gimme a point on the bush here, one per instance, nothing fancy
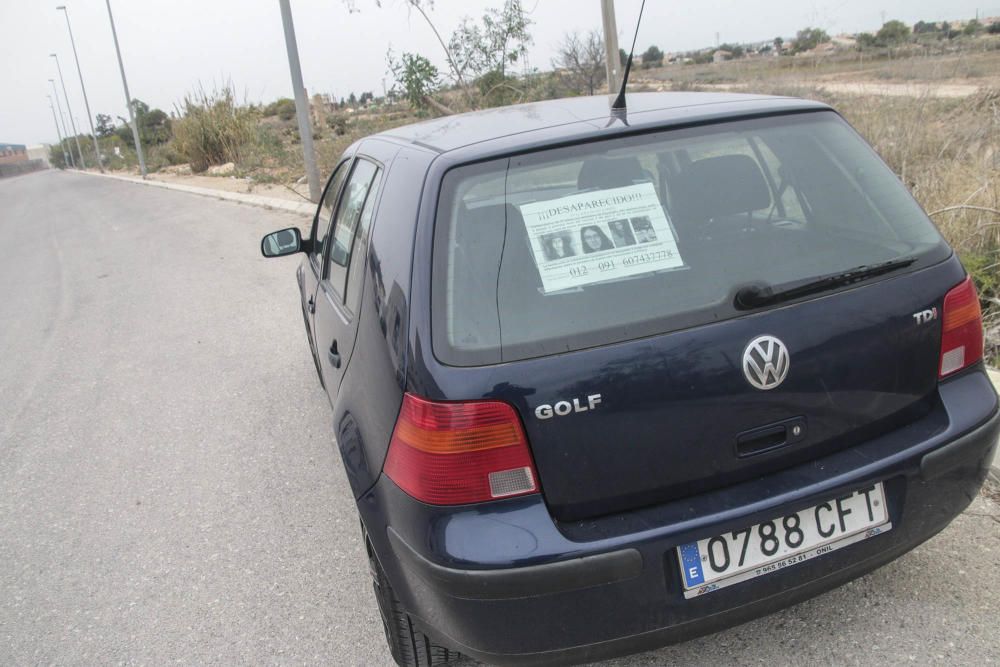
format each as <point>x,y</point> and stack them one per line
<point>283,108</point>
<point>213,129</point>
<point>337,123</point>
<point>809,38</point>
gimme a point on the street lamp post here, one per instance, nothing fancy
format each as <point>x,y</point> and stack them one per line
<point>613,62</point>
<point>61,145</point>
<point>72,163</point>
<point>69,111</point>
<point>128,99</point>
<point>90,117</point>
<point>301,104</point>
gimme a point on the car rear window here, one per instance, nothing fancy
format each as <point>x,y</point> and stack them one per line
<point>608,241</point>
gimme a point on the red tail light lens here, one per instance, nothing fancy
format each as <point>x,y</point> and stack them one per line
<point>459,453</point>
<point>961,329</point>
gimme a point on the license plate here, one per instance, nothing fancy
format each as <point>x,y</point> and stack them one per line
<point>713,563</point>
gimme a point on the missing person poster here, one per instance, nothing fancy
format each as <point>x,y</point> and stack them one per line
<point>600,235</point>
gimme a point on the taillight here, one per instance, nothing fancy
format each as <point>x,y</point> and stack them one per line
<point>961,329</point>
<point>459,452</point>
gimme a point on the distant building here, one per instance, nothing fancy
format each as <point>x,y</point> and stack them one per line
<point>10,153</point>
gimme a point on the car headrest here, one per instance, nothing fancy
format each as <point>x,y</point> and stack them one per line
<point>602,172</point>
<point>719,186</point>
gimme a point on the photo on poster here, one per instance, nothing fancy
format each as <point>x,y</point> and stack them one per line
<point>600,235</point>
<point>644,232</point>
<point>557,245</point>
<point>621,233</point>
<point>593,239</point>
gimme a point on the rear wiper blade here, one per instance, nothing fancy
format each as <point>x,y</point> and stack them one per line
<point>756,295</point>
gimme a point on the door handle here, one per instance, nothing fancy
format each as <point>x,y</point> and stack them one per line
<point>311,305</point>
<point>334,356</point>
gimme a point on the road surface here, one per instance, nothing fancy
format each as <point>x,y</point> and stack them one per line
<point>169,491</point>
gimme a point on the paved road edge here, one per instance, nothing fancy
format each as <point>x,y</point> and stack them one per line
<point>304,208</point>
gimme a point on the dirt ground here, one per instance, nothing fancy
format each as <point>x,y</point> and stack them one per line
<point>909,89</point>
<point>296,193</point>
<point>299,193</point>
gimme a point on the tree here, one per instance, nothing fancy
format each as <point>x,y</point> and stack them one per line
<point>924,27</point>
<point>652,57</point>
<point>582,59</point>
<point>105,126</point>
<point>809,38</point>
<point>735,50</point>
<point>892,33</point>
<point>866,40</point>
<point>476,50</point>
<point>993,28</point>
<point>972,27</point>
<point>415,78</point>
<point>622,57</point>
<point>484,51</point>
<point>154,125</point>
<point>779,44</point>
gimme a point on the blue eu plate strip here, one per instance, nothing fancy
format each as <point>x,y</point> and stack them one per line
<point>691,562</point>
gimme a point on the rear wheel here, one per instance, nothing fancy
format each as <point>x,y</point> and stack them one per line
<point>409,646</point>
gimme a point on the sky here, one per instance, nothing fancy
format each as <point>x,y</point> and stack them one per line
<point>173,47</point>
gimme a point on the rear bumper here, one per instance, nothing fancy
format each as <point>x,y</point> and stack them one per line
<point>506,584</point>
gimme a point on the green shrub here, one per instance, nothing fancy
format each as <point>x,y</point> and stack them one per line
<point>283,108</point>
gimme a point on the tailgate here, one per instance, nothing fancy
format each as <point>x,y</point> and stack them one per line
<point>678,416</point>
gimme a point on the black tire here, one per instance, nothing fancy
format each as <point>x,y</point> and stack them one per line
<point>409,646</point>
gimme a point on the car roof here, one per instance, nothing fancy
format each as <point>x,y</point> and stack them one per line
<point>566,118</point>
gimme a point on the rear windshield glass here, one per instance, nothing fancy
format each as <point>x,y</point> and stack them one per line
<point>608,241</point>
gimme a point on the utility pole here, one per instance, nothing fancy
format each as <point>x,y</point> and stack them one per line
<point>90,117</point>
<point>128,99</point>
<point>614,63</point>
<point>301,104</point>
<point>72,163</point>
<point>69,112</point>
<point>61,144</point>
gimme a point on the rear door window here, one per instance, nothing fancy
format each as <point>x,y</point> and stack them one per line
<point>586,245</point>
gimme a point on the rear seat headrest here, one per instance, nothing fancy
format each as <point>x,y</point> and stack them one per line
<point>719,186</point>
<point>602,172</point>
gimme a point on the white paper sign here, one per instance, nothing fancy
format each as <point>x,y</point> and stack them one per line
<point>600,235</point>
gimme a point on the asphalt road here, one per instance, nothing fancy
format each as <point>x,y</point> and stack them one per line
<point>169,491</point>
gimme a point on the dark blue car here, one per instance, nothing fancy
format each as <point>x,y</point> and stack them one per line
<point>605,381</point>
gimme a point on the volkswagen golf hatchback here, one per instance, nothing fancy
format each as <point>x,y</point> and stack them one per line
<point>604,381</point>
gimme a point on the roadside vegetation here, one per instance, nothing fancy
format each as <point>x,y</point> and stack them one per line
<point>926,96</point>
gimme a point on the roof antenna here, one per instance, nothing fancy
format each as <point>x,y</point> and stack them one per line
<point>619,103</point>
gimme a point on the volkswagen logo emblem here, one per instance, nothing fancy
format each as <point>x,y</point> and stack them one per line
<point>765,362</point>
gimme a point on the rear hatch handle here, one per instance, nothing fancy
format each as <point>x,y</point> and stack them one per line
<point>771,437</point>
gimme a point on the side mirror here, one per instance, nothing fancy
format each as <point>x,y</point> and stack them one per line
<point>281,243</point>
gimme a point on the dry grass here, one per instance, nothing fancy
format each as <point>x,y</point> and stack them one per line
<point>214,129</point>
